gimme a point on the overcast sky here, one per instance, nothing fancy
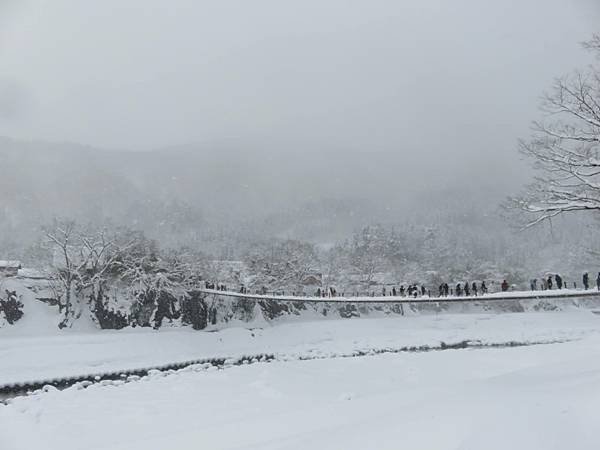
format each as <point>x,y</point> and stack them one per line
<point>433,83</point>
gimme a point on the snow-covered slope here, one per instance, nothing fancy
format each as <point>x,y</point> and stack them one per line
<point>214,310</point>
<point>38,318</point>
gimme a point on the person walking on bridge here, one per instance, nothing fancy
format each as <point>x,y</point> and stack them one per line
<point>467,290</point>
<point>586,281</point>
<point>559,281</point>
<point>549,282</point>
<point>474,289</point>
<point>483,288</point>
<point>504,286</point>
<point>458,290</point>
<point>598,281</point>
<point>533,284</point>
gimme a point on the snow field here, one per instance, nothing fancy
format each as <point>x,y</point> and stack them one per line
<point>537,397</point>
<point>70,353</point>
<point>532,397</point>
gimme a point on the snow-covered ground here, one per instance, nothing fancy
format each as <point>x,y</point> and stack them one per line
<point>534,397</point>
<point>26,357</point>
<point>538,397</point>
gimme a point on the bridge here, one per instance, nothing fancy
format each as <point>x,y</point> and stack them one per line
<point>558,294</point>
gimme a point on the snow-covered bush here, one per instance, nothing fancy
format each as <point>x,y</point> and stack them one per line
<point>11,308</point>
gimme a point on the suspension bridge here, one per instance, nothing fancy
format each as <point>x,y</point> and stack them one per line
<point>558,294</point>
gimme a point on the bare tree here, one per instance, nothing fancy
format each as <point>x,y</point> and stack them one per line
<point>82,260</point>
<point>66,265</point>
<point>566,147</point>
<point>368,251</point>
<point>593,44</point>
<point>282,264</point>
<point>334,262</point>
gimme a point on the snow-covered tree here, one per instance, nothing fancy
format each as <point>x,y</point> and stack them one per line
<point>565,146</point>
<point>159,281</point>
<point>334,264</point>
<point>66,265</point>
<point>282,264</point>
<point>83,261</point>
<point>367,251</point>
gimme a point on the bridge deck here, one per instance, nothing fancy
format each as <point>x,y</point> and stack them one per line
<point>494,297</point>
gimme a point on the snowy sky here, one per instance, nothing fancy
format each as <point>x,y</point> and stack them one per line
<point>419,81</point>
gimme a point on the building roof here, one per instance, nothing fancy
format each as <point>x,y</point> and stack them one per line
<point>4,264</point>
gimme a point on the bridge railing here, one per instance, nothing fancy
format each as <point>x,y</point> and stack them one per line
<point>493,297</point>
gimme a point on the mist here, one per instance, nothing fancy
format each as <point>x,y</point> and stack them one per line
<point>261,113</point>
<point>314,224</point>
<point>414,83</point>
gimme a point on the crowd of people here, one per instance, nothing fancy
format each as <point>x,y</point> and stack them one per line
<point>465,289</point>
<point>556,280</point>
<point>215,286</point>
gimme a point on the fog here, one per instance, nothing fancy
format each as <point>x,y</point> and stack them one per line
<point>256,107</point>
<point>150,148</point>
<point>445,80</point>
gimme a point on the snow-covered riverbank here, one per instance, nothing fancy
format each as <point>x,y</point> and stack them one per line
<point>53,354</point>
<point>538,397</point>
